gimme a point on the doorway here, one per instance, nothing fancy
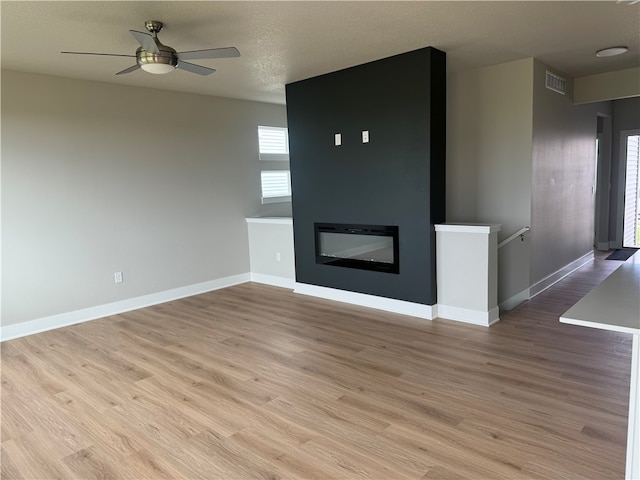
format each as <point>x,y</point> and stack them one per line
<point>602,182</point>
<point>631,160</point>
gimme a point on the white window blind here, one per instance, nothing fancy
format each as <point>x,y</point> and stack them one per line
<point>273,143</point>
<point>275,178</point>
<point>276,186</point>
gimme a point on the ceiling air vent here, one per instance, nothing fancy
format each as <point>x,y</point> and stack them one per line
<point>556,83</point>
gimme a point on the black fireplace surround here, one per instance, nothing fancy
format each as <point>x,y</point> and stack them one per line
<point>396,178</point>
<point>367,247</point>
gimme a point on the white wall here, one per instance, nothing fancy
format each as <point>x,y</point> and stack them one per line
<point>99,178</point>
<point>271,251</point>
<point>607,86</point>
<point>489,158</point>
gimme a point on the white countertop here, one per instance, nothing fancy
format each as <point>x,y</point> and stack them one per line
<point>612,305</point>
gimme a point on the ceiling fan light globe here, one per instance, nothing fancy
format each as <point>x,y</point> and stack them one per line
<point>157,68</point>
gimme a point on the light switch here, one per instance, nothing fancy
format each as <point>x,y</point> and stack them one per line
<point>365,136</point>
<point>338,139</point>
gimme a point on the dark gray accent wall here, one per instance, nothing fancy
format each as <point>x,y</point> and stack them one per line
<point>562,178</point>
<point>398,178</point>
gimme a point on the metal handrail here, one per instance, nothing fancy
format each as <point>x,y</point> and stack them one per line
<point>520,233</point>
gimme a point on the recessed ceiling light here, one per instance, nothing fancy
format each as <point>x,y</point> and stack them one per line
<point>612,51</point>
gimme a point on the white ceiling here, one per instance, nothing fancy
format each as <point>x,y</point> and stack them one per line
<point>281,42</point>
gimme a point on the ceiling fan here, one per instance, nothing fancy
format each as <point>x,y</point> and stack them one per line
<point>154,57</point>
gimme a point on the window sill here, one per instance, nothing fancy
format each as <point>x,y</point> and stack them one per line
<point>268,200</point>
<point>274,157</point>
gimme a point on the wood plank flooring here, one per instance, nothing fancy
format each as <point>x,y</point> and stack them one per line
<point>257,382</point>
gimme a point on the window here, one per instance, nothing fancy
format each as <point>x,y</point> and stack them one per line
<point>631,221</point>
<point>275,178</point>
<point>273,143</point>
<point>276,186</point>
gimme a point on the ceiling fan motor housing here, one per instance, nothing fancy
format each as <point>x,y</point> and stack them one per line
<point>165,56</point>
<point>162,61</point>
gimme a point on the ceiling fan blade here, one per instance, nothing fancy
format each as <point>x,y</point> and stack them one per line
<point>227,52</point>
<point>103,54</point>
<point>129,70</point>
<point>145,40</point>
<point>199,69</point>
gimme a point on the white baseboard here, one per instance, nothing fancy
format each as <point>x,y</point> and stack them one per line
<point>427,312</point>
<point>476,317</point>
<point>274,280</point>
<point>30,327</point>
<point>547,282</point>
<point>555,277</point>
<point>512,302</point>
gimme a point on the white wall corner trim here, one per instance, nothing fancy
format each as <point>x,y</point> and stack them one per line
<point>476,317</point>
<point>514,301</point>
<point>427,312</point>
<point>558,275</point>
<point>273,280</point>
<point>39,325</point>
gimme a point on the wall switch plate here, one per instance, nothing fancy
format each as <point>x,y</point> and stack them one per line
<point>117,277</point>
<point>365,136</point>
<point>337,139</point>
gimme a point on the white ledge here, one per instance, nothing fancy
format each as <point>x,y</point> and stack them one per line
<point>468,227</point>
<point>271,220</point>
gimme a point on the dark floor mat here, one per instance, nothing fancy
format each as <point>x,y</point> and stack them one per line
<point>622,254</point>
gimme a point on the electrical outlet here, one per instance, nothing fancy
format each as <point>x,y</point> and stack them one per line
<point>117,277</point>
<point>278,258</point>
<point>365,136</point>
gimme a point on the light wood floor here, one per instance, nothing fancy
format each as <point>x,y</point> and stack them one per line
<point>256,382</point>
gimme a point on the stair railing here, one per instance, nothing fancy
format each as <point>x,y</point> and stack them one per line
<point>520,233</point>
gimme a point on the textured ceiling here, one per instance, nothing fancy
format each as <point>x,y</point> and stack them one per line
<point>282,42</point>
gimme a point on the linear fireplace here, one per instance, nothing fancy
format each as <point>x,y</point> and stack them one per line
<point>367,247</point>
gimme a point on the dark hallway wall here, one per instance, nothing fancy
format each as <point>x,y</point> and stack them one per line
<point>398,178</point>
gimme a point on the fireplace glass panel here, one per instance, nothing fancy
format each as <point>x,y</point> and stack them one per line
<point>369,247</point>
